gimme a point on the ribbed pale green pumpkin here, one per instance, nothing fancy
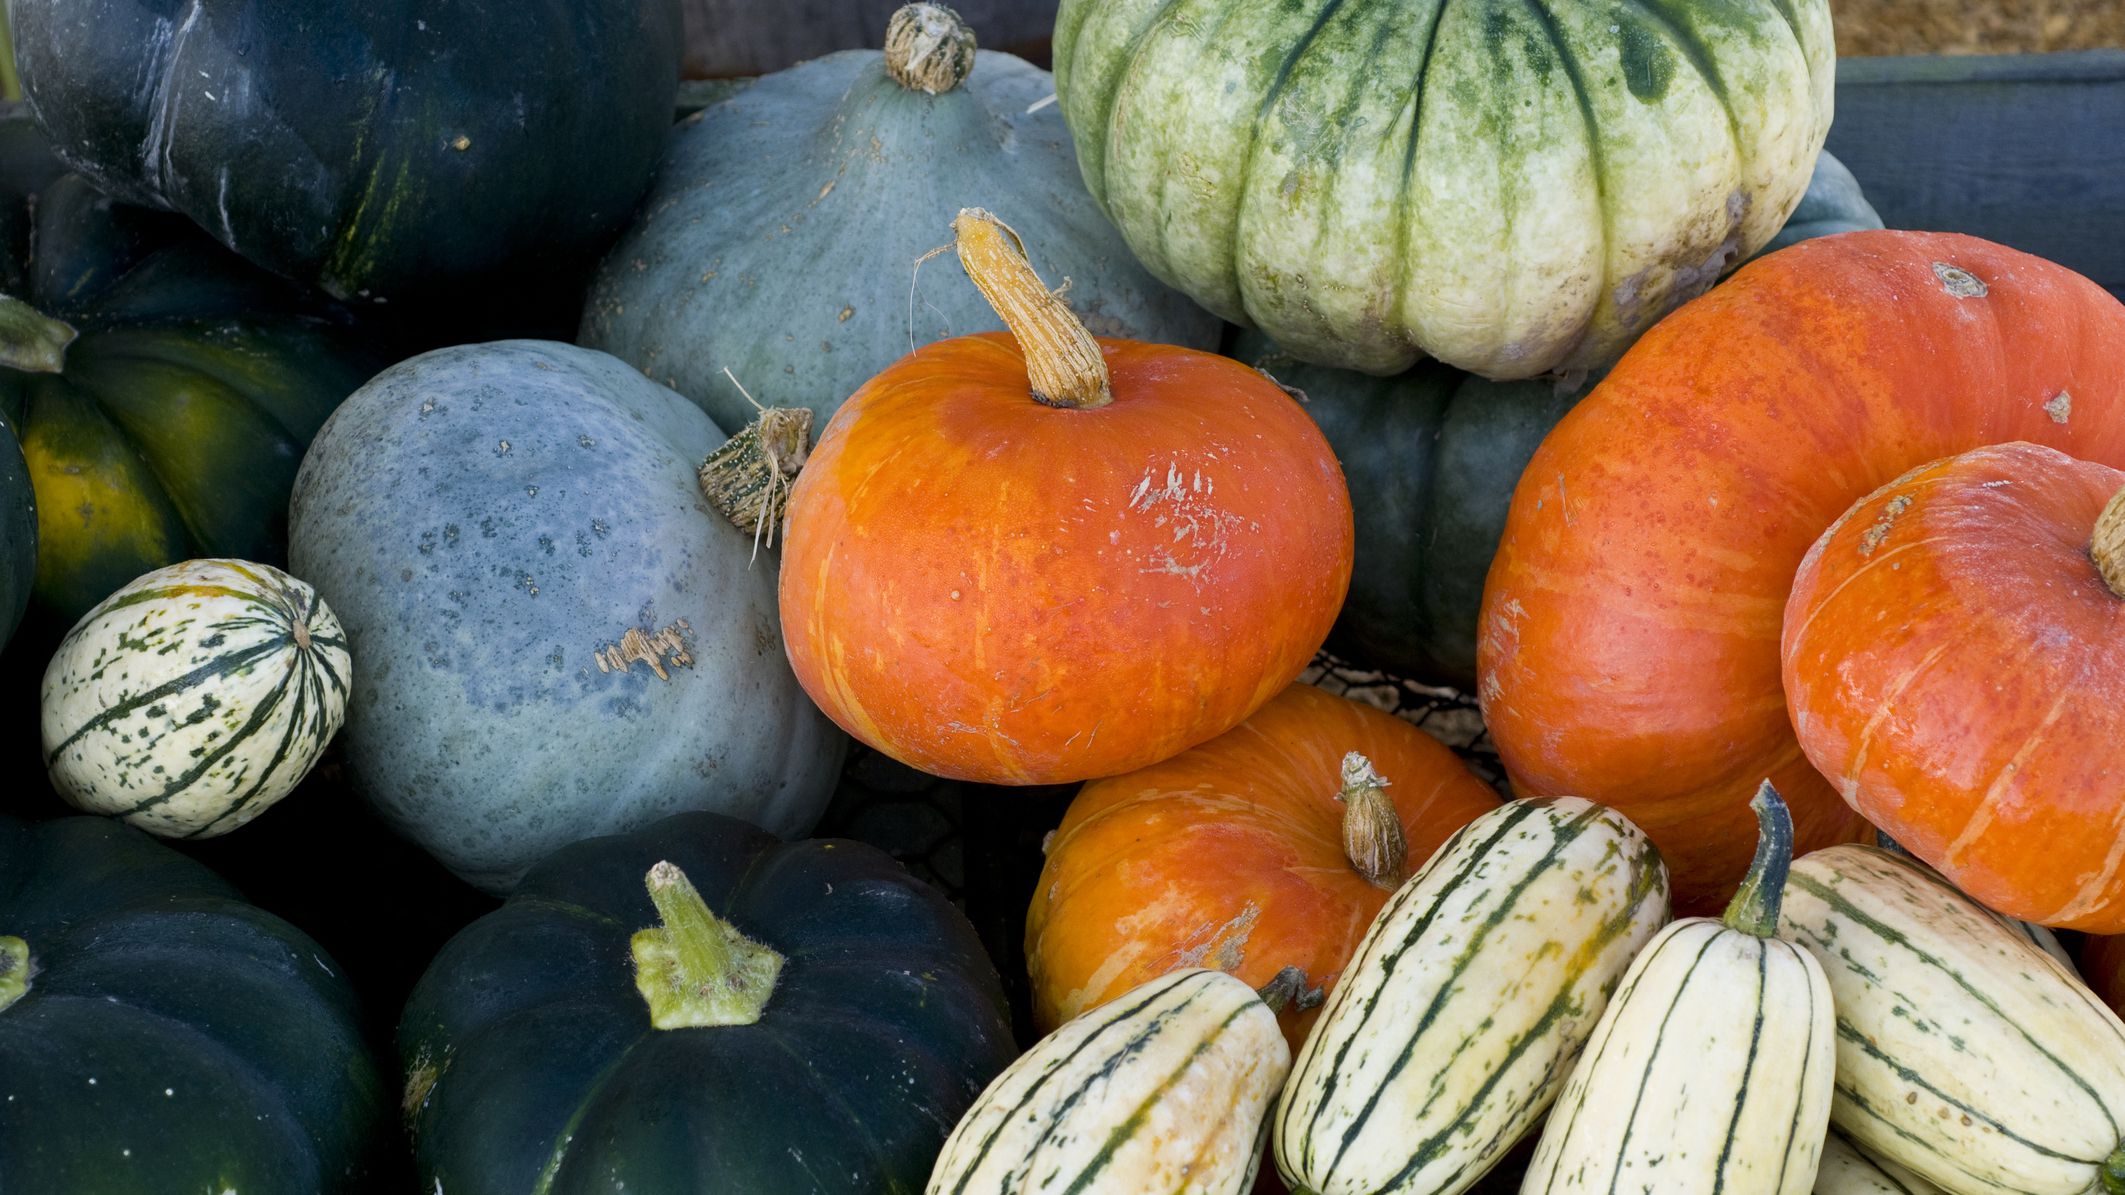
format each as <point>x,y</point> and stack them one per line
<point>1511,188</point>
<point>780,241</point>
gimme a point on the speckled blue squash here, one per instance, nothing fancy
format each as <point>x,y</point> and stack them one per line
<point>554,635</point>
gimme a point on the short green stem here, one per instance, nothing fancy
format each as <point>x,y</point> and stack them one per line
<point>2113,1175</point>
<point>1754,909</point>
<point>30,340</point>
<point>14,970</point>
<point>696,969</point>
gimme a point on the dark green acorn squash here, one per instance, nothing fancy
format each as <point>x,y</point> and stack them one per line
<point>162,389</point>
<point>378,149</point>
<point>157,1034</point>
<point>781,239</point>
<point>1432,456</point>
<point>830,1049</point>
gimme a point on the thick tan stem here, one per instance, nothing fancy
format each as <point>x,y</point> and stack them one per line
<point>928,48</point>
<point>1063,361</point>
<point>1372,831</point>
<point>2108,547</point>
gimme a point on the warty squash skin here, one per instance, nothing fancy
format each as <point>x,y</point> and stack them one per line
<point>1233,855</point>
<point>1465,1003</point>
<point>1711,1070</point>
<point>158,1034</point>
<point>553,635</point>
<point>1963,1052</point>
<point>1954,660</point>
<point>1629,645</point>
<point>1512,189</point>
<point>378,150</point>
<point>1040,566</point>
<point>1161,1089</point>
<point>585,1039</point>
<point>782,235</point>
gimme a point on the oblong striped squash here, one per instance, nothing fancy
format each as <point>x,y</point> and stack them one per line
<point>1847,1170</point>
<point>192,699</point>
<point>1466,1001</point>
<point>1711,1070</point>
<point>1163,1088</point>
<point>1963,1052</point>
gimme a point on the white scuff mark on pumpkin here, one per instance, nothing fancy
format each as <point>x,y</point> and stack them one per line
<point>1038,104</point>
<point>221,204</point>
<point>1874,535</point>
<point>155,150</point>
<point>2060,408</point>
<point>1201,531</point>
<point>1564,505</point>
<point>1222,946</point>
<point>658,649</point>
<point>1959,282</point>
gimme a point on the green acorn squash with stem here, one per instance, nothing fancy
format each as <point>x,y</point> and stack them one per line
<point>698,1006</point>
<point>157,1034</point>
<point>163,391</point>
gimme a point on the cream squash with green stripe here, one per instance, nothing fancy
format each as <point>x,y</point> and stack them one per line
<point>1711,1070</point>
<point>1846,1170</point>
<point>1963,1052</point>
<point>1162,1089</point>
<point>195,697</point>
<point>1465,1003</point>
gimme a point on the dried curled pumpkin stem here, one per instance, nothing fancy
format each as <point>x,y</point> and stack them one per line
<point>2108,547</point>
<point>928,48</point>
<point>1373,840</point>
<point>30,340</point>
<point>1063,360</point>
<point>696,969</point>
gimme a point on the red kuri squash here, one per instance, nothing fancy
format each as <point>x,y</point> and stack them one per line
<point>1043,559</point>
<point>1954,654</point>
<point>1256,851</point>
<point>1629,646</point>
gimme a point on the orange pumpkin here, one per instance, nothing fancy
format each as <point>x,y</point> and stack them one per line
<point>1043,559</point>
<point>2102,964</point>
<point>1628,651</point>
<point>1251,853</point>
<point>1955,663</point>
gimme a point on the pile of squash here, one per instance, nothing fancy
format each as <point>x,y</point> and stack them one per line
<point>398,409</point>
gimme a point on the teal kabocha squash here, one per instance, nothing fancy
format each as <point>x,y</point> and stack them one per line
<point>698,1006</point>
<point>162,389</point>
<point>1432,455</point>
<point>781,238</point>
<point>553,634</point>
<point>194,698</point>
<point>158,1034</point>
<point>1510,188</point>
<point>381,148</point>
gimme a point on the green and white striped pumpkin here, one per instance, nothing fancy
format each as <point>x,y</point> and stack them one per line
<point>1460,1013</point>
<point>1163,1088</point>
<point>1847,1170</point>
<point>1964,1052</point>
<point>1711,1070</point>
<point>192,699</point>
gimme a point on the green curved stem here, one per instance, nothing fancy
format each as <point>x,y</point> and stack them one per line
<point>30,340</point>
<point>1754,909</point>
<point>14,970</point>
<point>2113,1175</point>
<point>696,969</point>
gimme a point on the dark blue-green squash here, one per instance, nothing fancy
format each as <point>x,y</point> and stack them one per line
<point>162,389</point>
<point>157,1034</point>
<point>539,1058</point>
<point>1432,456</point>
<point>781,239</point>
<point>554,635</point>
<point>380,149</point>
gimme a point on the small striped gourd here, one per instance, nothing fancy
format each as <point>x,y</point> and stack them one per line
<point>1163,1088</point>
<point>1846,1170</point>
<point>1466,1001</point>
<point>192,699</point>
<point>1712,1068</point>
<point>1963,1052</point>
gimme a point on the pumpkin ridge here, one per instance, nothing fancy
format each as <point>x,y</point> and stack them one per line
<point>1406,205</point>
